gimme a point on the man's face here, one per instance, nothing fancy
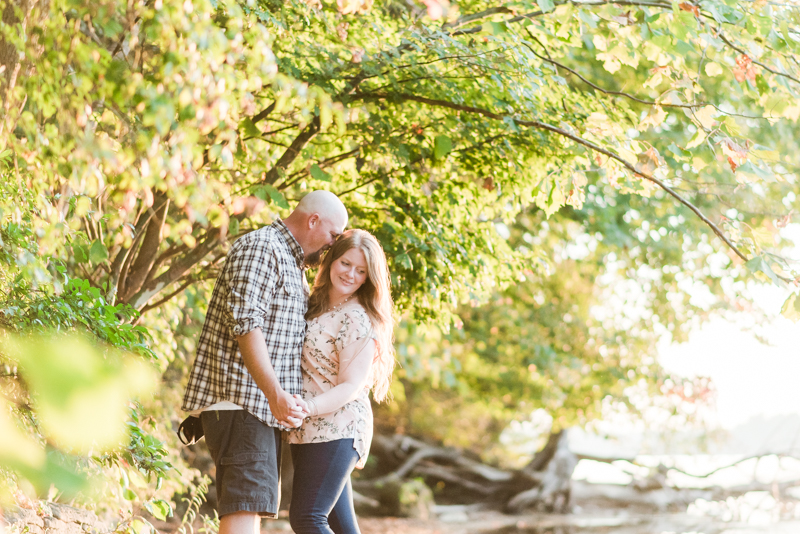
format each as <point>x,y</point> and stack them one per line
<point>323,235</point>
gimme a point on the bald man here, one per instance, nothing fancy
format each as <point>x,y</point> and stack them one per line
<point>245,382</point>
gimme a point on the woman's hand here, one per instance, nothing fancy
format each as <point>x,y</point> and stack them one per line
<point>303,404</point>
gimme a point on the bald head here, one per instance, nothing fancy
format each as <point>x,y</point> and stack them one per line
<point>316,222</point>
<point>326,204</point>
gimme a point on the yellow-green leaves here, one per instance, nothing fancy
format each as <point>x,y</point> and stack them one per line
<point>705,116</point>
<point>546,5</point>
<point>80,394</point>
<point>713,69</point>
<point>654,117</point>
<point>791,308</point>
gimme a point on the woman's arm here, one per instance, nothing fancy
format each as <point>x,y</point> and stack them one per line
<point>355,362</point>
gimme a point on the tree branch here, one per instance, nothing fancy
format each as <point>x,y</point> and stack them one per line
<point>145,257</point>
<point>160,302</point>
<point>263,114</point>
<point>176,270</point>
<point>321,164</point>
<point>292,151</point>
<point>577,139</point>
<point>760,64</point>
<point>534,14</point>
<point>122,257</point>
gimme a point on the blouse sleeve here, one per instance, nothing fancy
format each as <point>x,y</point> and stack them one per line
<point>356,327</point>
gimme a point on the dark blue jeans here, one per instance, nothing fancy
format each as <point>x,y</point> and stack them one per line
<point>322,496</point>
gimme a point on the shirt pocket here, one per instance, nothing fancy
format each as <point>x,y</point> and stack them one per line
<point>292,288</point>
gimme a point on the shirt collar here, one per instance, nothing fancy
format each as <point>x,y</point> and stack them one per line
<point>294,246</point>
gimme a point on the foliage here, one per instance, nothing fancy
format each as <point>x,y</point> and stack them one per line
<point>520,163</point>
<point>576,342</point>
<point>177,122</point>
<point>67,383</point>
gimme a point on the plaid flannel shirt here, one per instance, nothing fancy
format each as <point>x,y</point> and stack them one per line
<point>261,286</point>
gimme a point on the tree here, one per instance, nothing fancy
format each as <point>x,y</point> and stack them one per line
<point>162,147</point>
<point>142,137</point>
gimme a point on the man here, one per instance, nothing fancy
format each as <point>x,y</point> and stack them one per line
<point>247,370</point>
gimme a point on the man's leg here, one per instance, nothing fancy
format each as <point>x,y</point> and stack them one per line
<point>246,455</point>
<point>240,523</point>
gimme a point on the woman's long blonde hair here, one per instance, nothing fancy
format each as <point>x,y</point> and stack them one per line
<point>374,295</point>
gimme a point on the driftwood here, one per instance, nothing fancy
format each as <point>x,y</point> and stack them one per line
<point>544,485</point>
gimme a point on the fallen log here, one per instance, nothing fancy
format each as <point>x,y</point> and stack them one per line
<point>544,485</point>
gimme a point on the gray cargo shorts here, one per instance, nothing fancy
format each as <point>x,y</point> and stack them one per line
<point>247,455</point>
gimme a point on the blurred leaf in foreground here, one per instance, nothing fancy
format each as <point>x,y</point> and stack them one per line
<point>80,396</point>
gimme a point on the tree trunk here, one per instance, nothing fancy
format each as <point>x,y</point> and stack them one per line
<point>554,476</point>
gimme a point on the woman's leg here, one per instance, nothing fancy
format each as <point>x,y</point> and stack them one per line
<point>342,518</point>
<point>321,473</point>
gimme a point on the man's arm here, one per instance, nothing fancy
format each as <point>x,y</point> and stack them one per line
<point>288,410</point>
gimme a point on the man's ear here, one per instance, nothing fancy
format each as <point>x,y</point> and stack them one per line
<point>313,220</point>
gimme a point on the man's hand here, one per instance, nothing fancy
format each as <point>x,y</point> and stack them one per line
<point>286,409</point>
<point>302,403</point>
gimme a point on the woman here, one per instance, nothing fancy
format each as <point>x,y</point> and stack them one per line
<point>347,351</point>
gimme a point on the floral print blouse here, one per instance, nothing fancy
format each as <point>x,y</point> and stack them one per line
<point>327,336</point>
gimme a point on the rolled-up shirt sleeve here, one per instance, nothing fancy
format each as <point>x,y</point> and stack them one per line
<point>251,276</point>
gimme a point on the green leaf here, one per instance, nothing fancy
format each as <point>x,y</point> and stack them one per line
<point>98,253</point>
<point>80,252</point>
<point>759,264</point>
<point>214,152</point>
<point>233,226</point>
<point>546,5</point>
<point>128,494</point>
<point>249,128</point>
<point>318,174</point>
<point>160,509</point>
<point>495,28</point>
<point>442,146</point>
<point>277,197</point>
<point>404,260</point>
<point>791,308</point>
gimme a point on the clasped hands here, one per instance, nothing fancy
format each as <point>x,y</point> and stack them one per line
<point>289,410</point>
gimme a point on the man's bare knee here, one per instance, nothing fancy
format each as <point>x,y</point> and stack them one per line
<point>240,523</point>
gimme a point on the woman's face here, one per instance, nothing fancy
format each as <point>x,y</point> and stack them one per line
<point>348,272</point>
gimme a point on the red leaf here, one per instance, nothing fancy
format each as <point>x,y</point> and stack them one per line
<point>745,69</point>
<point>732,164</point>
<point>686,6</point>
<point>785,220</point>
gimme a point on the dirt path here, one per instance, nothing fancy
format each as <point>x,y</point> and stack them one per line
<point>617,522</point>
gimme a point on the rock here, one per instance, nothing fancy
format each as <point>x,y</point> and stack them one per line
<point>55,519</point>
<point>53,525</point>
<point>406,499</point>
<point>364,505</point>
<point>69,514</point>
<point>456,513</point>
<point>23,515</point>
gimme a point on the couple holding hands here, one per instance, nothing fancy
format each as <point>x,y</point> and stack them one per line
<point>277,363</point>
